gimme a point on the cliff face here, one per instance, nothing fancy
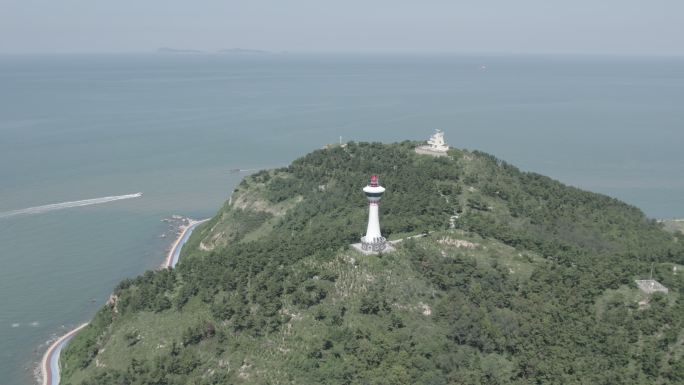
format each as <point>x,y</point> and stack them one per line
<point>249,214</point>
<point>520,280</point>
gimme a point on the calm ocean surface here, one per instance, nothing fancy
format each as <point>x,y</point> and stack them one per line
<point>76,127</point>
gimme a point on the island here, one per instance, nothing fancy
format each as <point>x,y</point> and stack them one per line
<point>243,51</point>
<point>177,50</point>
<point>501,277</point>
<point>228,51</point>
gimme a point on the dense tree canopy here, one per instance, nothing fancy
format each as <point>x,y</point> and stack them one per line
<point>542,292</point>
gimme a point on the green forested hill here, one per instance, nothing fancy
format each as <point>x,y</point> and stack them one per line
<point>518,280</point>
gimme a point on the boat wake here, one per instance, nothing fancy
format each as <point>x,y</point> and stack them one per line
<point>67,205</point>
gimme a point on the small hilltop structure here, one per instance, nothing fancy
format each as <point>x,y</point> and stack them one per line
<point>373,242</point>
<point>435,145</point>
<point>333,145</point>
<point>650,286</point>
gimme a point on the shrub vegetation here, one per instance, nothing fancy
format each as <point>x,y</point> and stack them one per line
<point>519,280</point>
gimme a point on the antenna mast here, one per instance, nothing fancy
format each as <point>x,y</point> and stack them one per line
<point>652,270</point>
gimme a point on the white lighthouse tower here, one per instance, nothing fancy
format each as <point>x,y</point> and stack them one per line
<point>373,240</point>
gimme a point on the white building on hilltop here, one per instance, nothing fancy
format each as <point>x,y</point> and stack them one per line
<point>435,145</point>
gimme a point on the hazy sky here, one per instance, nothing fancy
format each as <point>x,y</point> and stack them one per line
<point>584,26</point>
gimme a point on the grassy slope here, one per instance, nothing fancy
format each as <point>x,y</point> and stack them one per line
<point>269,360</point>
<point>509,217</point>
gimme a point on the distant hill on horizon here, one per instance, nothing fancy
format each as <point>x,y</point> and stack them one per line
<point>243,51</point>
<point>176,50</point>
<point>232,51</point>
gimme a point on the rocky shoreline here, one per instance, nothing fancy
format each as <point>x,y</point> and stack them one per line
<point>47,369</point>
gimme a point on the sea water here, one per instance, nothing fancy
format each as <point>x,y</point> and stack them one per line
<point>80,127</point>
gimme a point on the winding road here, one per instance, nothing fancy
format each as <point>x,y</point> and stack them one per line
<point>49,365</point>
<point>174,252</point>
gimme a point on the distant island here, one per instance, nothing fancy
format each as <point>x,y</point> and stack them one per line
<point>243,51</point>
<point>176,50</point>
<point>228,51</point>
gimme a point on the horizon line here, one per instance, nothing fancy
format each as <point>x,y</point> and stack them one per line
<point>264,52</point>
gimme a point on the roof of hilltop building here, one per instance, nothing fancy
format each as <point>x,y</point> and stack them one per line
<point>650,286</point>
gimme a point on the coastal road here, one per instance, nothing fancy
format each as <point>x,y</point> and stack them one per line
<point>174,252</point>
<point>49,365</point>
